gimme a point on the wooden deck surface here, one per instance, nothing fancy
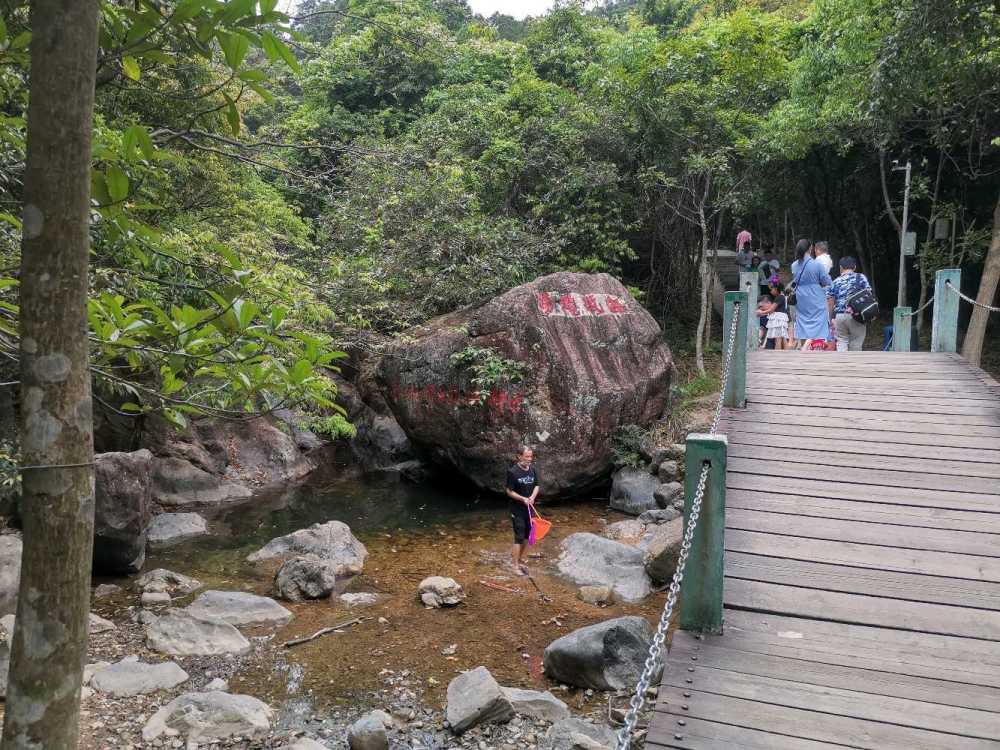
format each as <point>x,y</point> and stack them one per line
<point>862,587</point>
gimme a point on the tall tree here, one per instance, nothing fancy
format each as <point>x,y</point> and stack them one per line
<point>50,636</point>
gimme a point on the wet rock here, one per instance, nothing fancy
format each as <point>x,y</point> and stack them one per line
<point>668,471</point>
<point>606,656</point>
<point>667,494</point>
<point>537,704</point>
<point>98,624</point>
<point>178,483</point>
<point>133,677</point>
<point>379,442</point>
<point>630,529</point>
<point>210,716</point>
<point>594,594</point>
<point>663,548</point>
<point>474,697</point>
<point>106,591</point>
<point>592,360</point>
<point>305,577</point>
<point>438,591</point>
<point>588,559</point>
<point>180,633</point>
<point>632,491</point>
<point>162,579</point>
<point>171,528</point>
<point>659,515</point>
<point>239,608</point>
<point>154,598</point>
<point>329,541</point>
<point>577,734</point>
<point>122,510</point>
<point>362,599</point>
<point>10,572</point>
<point>369,732</point>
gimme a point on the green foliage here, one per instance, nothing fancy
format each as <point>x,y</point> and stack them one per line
<point>489,369</point>
<point>626,446</point>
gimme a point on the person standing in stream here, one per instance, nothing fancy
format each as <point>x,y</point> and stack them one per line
<point>522,489</point>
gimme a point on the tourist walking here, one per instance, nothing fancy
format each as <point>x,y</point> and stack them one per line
<point>849,330</point>
<point>522,490</point>
<point>744,254</point>
<point>811,318</point>
<point>776,310</point>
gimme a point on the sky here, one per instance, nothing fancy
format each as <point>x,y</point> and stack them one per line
<point>516,8</point>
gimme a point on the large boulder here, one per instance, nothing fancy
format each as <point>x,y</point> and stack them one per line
<point>10,572</point>
<point>181,633</point>
<point>132,677</point>
<point>632,491</point>
<point>591,560</point>
<point>178,483</point>
<point>438,591</point>
<point>239,608</point>
<point>606,656</point>
<point>474,697</point>
<point>329,541</point>
<point>122,510</point>
<point>588,359</point>
<point>379,442</point>
<point>536,704</point>
<point>171,528</point>
<point>305,577</point>
<point>663,547</point>
<point>210,716</point>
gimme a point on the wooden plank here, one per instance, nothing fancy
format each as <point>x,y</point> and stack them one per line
<point>855,580</point>
<point>845,491</point>
<point>763,437</point>
<point>792,394</point>
<point>698,734</point>
<point>859,532</point>
<point>862,610</point>
<point>892,439</point>
<point>741,653</point>
<point>857,510</point>
<point>856,704</point>
<point>987,419</point>
<point>862,422</point>
<point>832,382</point>
<point>814,725</point>
<point>864,472</point>
<point>945,564</point>
<point>899,405</point>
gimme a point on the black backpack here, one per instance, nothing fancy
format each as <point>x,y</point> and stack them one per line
<point>862,303</point>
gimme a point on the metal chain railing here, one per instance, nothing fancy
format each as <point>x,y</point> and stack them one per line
<point>919,309</point>
<point>971,301</point>
<point>656,649</point>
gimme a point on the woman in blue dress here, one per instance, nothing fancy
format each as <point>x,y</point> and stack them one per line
<point>812,320</point>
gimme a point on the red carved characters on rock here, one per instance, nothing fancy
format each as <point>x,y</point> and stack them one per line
<point>578,305</point>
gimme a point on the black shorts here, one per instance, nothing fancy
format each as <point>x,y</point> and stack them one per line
<point>521,520</point>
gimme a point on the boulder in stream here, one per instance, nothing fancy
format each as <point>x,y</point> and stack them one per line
<point>210,716</point>
<point>632,491</point>
<point>605,656</point>
<point>474,697</point>
<point>536,703</point>
<point>329,541</point>
<point>133,677</point>
<point>438,591</point>
<point>578,358</point>
<point>163,580</point>
<point>663,547</point>
<point>369,732</point>
<point>171,528</point>
<point>305,577</point>
<point>180,633</point>
<point>122,510</point>
<point>578,734</point>
<point>239,608</point>
<point>591,560</point>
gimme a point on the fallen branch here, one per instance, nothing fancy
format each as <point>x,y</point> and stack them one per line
<point>498,587</point>
<point>323,631</point>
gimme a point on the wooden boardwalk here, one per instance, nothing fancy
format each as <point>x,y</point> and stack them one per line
<point>862,564</point>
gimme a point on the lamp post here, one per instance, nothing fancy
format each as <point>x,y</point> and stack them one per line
<point>901,296</point>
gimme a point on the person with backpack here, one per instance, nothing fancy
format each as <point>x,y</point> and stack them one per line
<point>851,303</point>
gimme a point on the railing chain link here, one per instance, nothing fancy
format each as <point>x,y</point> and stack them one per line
<point>653,661</point>
<point>971,301</point>
<point>919,309</point>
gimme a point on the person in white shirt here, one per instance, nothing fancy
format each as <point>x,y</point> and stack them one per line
<point>822,253</point>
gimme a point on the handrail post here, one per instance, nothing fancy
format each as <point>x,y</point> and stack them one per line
<point>901,329</point>
<point>944,329</point>
<point>701,594</point>
<point>735,396</point>
<point>748,284</point>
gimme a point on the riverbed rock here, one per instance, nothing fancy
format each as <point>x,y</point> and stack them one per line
<point>588,559</point>
<point>438,591</point>
<point>605,656</point>
<point>668,471</point>
<point>180,633</point>
<point>474,697</point>
<point>668,494</point>
<point>106,591</point>
<point>305,743</point>
<point>239,608</point>
<point>10,572</point>
<point>133,677</point>
<point>171,528</point>
<point>379,442</point>
<point>588,359</point>
<point>359,599</point>
<point>178,483</point>
<point>122,510</point>
<point>630,529</point>
<point>330,541</point>
<point>154,598</point>
<point>536,703</point>
<point>578,734</point>
<point>210,716</point>
<point>632,491</point>
<point>369,732</point>
<point>305,577</point>
<point>161,579</point>
<point>98,624</point>
<point>217,683</point>
<point>663,548</point>
<point>659,515</point>
<point>597,595</point>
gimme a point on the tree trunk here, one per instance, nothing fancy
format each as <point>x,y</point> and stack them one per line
<point>972,349</point>
<point>50,636</point>
<point>703,307</point>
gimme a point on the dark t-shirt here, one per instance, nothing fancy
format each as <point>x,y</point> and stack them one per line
<point>780,302</point>
<point>522,481</point>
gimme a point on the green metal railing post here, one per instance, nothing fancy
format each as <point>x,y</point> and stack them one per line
<point>701,593</point>
<point>944,329</point>
<point>735,396</point>
<point>902,327</point>
<point>749,284</point>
